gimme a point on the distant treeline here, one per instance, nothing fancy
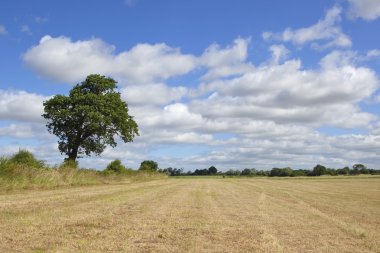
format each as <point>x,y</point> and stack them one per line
<point>318,170</point>
<point>23,164</point>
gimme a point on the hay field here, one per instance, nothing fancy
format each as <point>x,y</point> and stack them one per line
<point>340,214</point>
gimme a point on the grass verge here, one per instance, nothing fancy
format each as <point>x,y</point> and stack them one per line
<point>16,175</point>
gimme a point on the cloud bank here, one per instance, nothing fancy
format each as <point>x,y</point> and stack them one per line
<point>63,60</point>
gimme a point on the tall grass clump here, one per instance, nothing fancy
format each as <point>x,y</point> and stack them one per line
<point>115,167</point>
<point>24,157</point>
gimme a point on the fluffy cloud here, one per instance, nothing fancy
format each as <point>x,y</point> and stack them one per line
<point>21,106</point>
<point>366,9</point>
<point>373,53</point>
<point>325,30</point>
<point>172,116</point>
<point>279,53</point>
<point>70,61</point>
<point>222,62</point>
<point>66,61</point>
<point>215,56</point>
<point>24,130</point>
<point>179,137</point>
<point>155,94</point>
<point>286,93</point>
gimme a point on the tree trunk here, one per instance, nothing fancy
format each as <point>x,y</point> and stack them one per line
<point>72,156</point>
<point>73,151</point>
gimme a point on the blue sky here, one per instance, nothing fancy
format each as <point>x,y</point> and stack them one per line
<point>233,84</point>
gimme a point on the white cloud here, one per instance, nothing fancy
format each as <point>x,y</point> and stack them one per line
<point>175,115</point>
<point>3,30</point>
<point>223,62</point>
<point>64,60</point>
<point>21,106</point>
<point>286,93</point>
<point>155,94</point>
<point>365,9</point>
<point>375,53</point>
<point>214,56</point>
<point>177,137</point>
<point>326,31</point>
<point>279,53</point>
<point>24,130</point>
<point>26,29</point>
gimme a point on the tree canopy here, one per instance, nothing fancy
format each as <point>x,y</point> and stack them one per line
<point>212,170</point>
<point>319,170</point>
<point>148,165</point>
<point>89,118</point>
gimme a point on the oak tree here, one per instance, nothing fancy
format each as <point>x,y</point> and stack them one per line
<point>89,118</point>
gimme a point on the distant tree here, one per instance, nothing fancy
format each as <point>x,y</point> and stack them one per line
<point>201,172</point>
<point>174,172</point>
<point>87,120</point>
<point>343,171</point>
<point>246,172</point>
<point>358,166</point>
<point>233,172</point>
<point>262,173</point>
<point>281,172</point>
<point>373,171</point>
<point>196,172</point>
<point>298,173</point>
<point>354,171</point>
<point>331,171</point>
<point>212,170</point>
<point>148,165</point>
<point>115,166</point>
<point>360,169</point>
<point>286,172</point>
<point>275,172</point>
<point>319,170</point>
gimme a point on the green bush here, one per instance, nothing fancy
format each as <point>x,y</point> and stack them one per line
<point>148,165</point>
<point>24,157</point>
<point>116,166</point>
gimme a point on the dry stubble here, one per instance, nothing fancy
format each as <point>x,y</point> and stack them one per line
<point>196,215</point>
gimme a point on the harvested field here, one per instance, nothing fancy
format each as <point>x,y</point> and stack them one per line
<point>340,214</point>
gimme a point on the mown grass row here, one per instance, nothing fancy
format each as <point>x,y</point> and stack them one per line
<point>24,171</point>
